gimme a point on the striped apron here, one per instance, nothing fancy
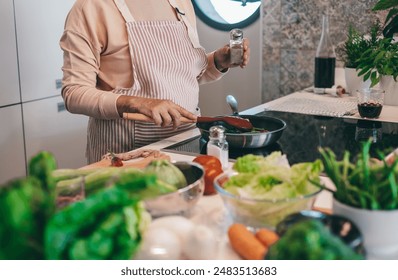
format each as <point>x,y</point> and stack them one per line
<point>167,60</point>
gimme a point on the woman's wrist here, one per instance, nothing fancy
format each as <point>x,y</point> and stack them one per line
<point>125,104</point>
<point>217,65</point>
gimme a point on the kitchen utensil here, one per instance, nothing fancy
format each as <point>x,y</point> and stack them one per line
<point>233,104</point>
<point>239,123</point>
<point>273,127</point>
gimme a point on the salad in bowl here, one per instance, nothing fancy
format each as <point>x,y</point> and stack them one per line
<point>261,191</point>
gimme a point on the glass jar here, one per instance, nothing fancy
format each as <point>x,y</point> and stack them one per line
<point>236,46</point>
<point>218,145</point>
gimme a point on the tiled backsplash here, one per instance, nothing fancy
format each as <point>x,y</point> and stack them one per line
<point>291,31</point>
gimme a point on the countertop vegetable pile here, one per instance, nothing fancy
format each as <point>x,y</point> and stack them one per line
<point>304,240</point>
<point>107,224</point>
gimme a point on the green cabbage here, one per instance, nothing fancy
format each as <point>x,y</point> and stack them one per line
<point>167,172</point>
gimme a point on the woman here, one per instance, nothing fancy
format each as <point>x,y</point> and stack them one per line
<point>134,56</point>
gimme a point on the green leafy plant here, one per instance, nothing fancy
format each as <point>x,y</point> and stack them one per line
<point>366,183</point>
<point>391,21</point>
<point>381,57</point>
<point>353,47</point>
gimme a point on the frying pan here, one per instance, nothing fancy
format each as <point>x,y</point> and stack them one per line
<point>274,127</point>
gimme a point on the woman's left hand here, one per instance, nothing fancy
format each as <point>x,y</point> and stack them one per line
<point>222,56</point>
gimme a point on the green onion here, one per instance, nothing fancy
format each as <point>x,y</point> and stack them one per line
<point>362,184</point>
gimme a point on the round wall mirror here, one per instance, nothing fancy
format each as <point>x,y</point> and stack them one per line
<point>227,14</point>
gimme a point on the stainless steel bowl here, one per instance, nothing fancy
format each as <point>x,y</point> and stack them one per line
<point>274,127</point>
<point>184,199</point>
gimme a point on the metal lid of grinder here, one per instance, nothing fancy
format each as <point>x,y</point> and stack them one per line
<point>236,34</point>
<point>217,131</point>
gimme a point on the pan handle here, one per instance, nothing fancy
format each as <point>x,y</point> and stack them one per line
<point>145,118</point>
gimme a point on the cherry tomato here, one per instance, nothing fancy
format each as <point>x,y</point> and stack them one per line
<point>206,160</point>
<point>116,161</point>
<point>210,174</point>
<point>212,167</point>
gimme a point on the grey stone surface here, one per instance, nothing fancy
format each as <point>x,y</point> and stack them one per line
<point>291,32</point>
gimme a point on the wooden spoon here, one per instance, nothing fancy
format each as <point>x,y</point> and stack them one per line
<point>237,122</point>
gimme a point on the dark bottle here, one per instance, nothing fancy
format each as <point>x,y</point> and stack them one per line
<point>325,60</point>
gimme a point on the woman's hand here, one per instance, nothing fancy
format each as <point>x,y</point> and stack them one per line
<point>222,56</point>
<point>163,112</point>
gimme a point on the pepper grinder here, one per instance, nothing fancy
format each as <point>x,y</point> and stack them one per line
<point>236,46</point>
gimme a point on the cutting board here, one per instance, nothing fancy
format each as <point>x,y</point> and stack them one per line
<point>136,163</point>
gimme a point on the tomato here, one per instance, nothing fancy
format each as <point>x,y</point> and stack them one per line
<point>210,175</point>
<point>212,167</point>
<point>116,161</point>
<point>206,160</point>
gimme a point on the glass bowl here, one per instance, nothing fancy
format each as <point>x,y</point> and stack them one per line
<point>182,200</point>
<point>258,213</point>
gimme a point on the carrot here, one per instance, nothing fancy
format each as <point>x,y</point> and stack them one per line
<point>245,243</point>
<point>266,237</point>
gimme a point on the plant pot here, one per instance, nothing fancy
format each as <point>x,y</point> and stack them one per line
<point>390,87</point>
<point>379,229</point>
<point>353,81</point>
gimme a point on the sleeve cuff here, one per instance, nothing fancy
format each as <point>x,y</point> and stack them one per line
<point>108,106</point>
<point>212,69</point>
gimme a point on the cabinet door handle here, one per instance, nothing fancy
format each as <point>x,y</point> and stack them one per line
<point>61,106</point>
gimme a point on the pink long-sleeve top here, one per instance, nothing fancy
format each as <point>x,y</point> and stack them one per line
<point>96,52</point>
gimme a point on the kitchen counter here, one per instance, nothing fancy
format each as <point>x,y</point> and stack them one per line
<point>302,107</point>
<point>302,104</point>
<point>306,102</point>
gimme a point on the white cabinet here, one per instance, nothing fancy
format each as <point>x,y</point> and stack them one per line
<point>12,152</point>
<point>48,126</point>
<point>9,87</point>
<point>39,25</point>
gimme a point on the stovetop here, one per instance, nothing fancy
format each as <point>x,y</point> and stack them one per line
<point>304,135</point>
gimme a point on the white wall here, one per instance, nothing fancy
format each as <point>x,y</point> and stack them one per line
<point>244,84</point>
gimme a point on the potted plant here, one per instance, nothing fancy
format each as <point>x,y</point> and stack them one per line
<point>379,63</point>
<point>391,21</point>
<point>366,192</point>
<point>350,51</point>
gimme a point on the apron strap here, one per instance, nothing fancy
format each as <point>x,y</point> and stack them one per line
<point>124,10</point>
<point>193,35</point>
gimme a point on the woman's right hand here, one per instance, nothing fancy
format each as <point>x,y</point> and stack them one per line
<point>163,112</point>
